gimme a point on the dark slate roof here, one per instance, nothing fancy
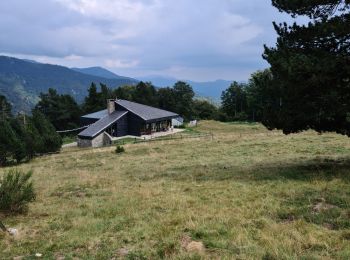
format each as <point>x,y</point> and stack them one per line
<point>97,115</point>
<point>99,126</point>
<point>147,113</point>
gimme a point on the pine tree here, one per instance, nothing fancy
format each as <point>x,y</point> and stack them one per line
<point>234,101</point>
<point>184,95</point>
<point>145,93</point>
<point>51,141</point>
<point>9,142</point>
<point>5,108</point>
<point>61,110</point>
<point>20,149</point>
<point>311,68</point>
<point>33,140</point>
<point>260,95</point>
<point>93,100</point>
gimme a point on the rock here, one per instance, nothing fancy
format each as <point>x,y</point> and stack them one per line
<point>59,257</point>
<point>12,231</point>
<point>185,240</point>
<point>322,206</point>
<point>38,255</point>
<point>195,247</point>
<point>20,257</point>
<point>122,252</point>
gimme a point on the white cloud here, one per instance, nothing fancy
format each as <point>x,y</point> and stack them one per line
<point>120,64</point>
<point>124,10</point>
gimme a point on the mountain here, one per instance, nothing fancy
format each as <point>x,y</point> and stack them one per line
<point>99,72</point>
<point>159,81</point>
<point>211,89</point>
<point>21,81</point>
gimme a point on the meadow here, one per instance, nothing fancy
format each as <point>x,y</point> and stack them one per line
<point>248,193</point>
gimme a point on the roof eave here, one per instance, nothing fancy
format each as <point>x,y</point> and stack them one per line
<point>161,118</point>
<point>90,137</point>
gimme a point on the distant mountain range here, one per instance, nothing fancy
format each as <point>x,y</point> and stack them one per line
<point>21,81</point>
<point>210,89</point>
<point>100,72</point>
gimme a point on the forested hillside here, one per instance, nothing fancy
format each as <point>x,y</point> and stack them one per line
<point>22,81</point>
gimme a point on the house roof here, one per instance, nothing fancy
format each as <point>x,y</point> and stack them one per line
<point>147,113</point>
<point>99,126</point>
<point>97,115</point>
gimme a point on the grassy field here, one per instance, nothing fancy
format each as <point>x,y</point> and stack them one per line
<point>246,194</point>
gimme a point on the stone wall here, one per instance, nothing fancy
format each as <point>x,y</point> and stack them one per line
<point>84,143</point>
<point>99,141</point>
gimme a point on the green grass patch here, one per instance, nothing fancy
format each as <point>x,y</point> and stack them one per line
<point>127,140</point>
<point>69,139</point>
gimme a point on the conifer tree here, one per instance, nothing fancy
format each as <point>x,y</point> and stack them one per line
<point>311,68</point>
<point>9,142</point>
<point>51,141</point>
<point>92,101</point>
<point>5,108</point>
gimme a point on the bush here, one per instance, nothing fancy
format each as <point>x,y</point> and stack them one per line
<point>16,191</point>
<point>119,149</point>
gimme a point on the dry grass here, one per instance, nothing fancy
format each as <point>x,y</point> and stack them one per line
<point>247,194</point>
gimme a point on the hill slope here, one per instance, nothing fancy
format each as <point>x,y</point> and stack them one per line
<point>22,81</point>
<point>100,72</point>
<point>246,194</point>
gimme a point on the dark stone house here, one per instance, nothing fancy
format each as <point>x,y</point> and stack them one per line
<point>123,118</point>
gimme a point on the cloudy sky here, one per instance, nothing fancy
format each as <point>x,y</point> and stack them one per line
<point>187,39</point>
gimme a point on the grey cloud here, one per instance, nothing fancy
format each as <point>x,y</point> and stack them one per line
<point>151,35</point>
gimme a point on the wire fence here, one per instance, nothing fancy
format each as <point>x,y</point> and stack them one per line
<point>72,130</point>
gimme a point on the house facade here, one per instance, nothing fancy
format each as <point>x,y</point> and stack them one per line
<point>123,118</point>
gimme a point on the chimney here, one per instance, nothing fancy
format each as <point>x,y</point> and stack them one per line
<point>110,106</point>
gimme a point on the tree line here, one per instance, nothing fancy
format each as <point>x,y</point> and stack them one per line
<point>240,102</point>
<point>64,112</point>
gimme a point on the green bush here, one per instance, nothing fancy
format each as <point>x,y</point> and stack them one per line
<point>16,191</point>
<point>119,149</point>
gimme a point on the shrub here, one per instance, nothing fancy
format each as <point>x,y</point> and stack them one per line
<point>16,191</point>
<point>119,149</point>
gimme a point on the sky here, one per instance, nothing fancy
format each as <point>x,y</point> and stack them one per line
<point>197,40</point>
